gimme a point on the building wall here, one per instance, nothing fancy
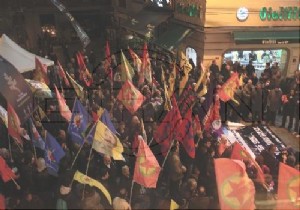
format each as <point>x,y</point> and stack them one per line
<point>221,21</point>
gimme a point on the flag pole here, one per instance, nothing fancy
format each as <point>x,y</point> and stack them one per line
<point>76,156</point>
<point>131,189</point>
<point>163,164</point>
<point>89,160</point>
<point>17,185</point>
<point>9,148</point>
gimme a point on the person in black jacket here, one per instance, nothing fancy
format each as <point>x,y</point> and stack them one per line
<point>289,104</point>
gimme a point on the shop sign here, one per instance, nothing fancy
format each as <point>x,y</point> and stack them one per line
<point>267,41</point>
<point>284,13</point>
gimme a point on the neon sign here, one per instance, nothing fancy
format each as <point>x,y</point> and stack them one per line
<point>284,13</point>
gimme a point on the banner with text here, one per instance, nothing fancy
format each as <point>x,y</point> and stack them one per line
<point>15,90</point>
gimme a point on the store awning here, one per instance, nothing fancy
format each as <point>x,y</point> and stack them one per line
<point>173,36</point>
<point>266,37</point>
<point>140,22</point>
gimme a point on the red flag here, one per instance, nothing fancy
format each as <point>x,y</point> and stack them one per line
<point>197,127</point>
<point>5,172</point>
<point>228,89</point>
<point>185,134</point>
<point>84,72</point>
<point>2,202</point>
<point>288,187</point>
<point>146,71</point>
<point>166,129</point>
<point>235,189</point>
<point>63,108</point>
<point>239,153</point>
<point>107,53</point>
<point>212,115</point>
<point>130,97</point>
<point>62,74</point>
<point>146,170</point>
<point>136,60</point>
<point>107,63</point>
<point>40,73</point>
<point>14,125</point>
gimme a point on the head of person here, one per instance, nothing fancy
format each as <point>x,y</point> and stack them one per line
<point>125,171</point>
<point>106,160</point>
<point>272,148</point>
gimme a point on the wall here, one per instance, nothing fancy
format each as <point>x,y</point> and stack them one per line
<point>223,13</point>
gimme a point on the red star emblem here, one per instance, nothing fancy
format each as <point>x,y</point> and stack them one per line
<point>145,168</point>
<point>235,192</point>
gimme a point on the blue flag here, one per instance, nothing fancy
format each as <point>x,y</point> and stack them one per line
<point>37,140</point>
<point>106,120</point>
<point>53,154</point>
<point>79,122</point>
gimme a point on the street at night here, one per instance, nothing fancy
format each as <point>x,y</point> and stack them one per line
<point>149,104</point>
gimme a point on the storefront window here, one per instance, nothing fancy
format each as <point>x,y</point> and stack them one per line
<point>191,54</point>
<point>259,57</point>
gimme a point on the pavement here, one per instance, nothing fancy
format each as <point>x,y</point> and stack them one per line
<point>286,136</point>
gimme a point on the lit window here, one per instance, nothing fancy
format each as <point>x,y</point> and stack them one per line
<point>161,3</point>
<point>191,54</point>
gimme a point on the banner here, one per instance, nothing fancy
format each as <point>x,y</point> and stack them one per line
<point>15,90</point>
<point>256,139</point>
<point>80,32</point>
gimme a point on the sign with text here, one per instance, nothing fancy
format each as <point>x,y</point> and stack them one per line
<point>259,13</point>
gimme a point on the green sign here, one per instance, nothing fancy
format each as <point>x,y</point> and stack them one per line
<point>284,13</point>
<point>189,10</point>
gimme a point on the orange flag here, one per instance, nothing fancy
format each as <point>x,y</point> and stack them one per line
<point>84,72</point>
<point>62,74</point>
<point>212,115</point>
<point>146,71</point>
<point>40,73</point>
<point>288,188</point>
<point>235,189</point>
<point>227,90</point>
<point>63,108</point>
<point>146,170</point>
<point>5,172</point>
<point>239,153</point>
<point>130,97</point>
<point>136,60</point>
<point>14,125</point>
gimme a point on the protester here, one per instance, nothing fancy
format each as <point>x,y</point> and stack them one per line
<point>191,183</point>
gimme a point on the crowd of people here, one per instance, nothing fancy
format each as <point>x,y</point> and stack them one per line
<point>189,182</point>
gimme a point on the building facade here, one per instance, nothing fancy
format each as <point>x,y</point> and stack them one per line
<point>261,31</point>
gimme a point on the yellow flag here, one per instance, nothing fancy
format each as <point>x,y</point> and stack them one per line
<point>167,105</point>
<point>106,142</point>
<point>78,89</point>
<point>187,67</point>
<point>202,76</point>
<point>172,78</point>
<point>83,179</point>
<point>127,71</point>
<point>173,205</point>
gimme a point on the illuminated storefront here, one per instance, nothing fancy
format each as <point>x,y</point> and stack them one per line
<point>261,31</point>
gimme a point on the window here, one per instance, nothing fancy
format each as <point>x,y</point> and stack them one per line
<point>161,3</point>
<point>191,54</point>
<point>122,3</point>
<point>259,57</point>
